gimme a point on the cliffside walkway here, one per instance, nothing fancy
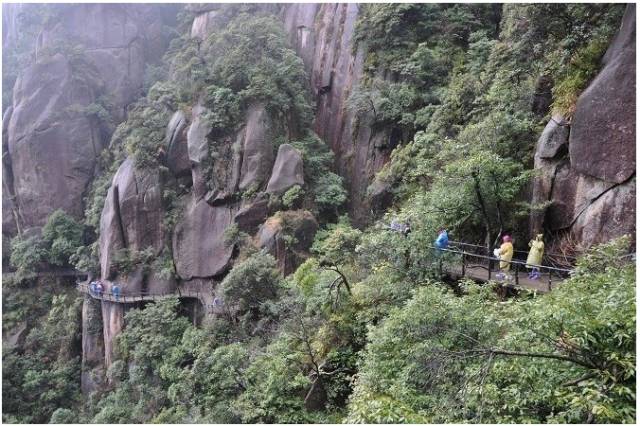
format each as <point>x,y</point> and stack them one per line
<point>206,298</point>
<point>473,261</point>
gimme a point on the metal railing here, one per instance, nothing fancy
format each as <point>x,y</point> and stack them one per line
<point>549,258</point>
<point>125,296</point>
<point>471,260</point>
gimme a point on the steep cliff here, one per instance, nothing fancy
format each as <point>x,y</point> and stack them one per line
<point>322,34</point>
<point>88,65</point>
<point>587,166</point>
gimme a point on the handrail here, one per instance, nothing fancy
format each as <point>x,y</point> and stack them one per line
<point>549,254</point>
<point>512,262</point>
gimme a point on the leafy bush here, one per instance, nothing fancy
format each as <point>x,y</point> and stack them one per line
<point>252,282</point>
<point>62,235</point>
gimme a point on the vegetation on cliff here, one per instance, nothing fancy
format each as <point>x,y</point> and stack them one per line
<point>365,330</point>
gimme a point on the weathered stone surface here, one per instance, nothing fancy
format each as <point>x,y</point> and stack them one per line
<point>177,143</point>
<point>257,149</point>
<point>602,140</point>
<point>203,24</point>
<point>118,39</point>
<point>554,138</point>
<point>52,151</point>
<point>131,218</point>
<point>198,149</point>
<point>560,213</point>
<point>287,170</point>
<point>322,35</point>
<point>609,216</point>
<point>52,145</point>
<point>198,243</point>
<point>301,225</point>
<point>92,344</point>
<point>251,216</point>
<point>113,323</point>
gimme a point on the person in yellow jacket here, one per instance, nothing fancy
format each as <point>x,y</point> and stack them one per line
<point>534,260</point>
<point>505,253</point>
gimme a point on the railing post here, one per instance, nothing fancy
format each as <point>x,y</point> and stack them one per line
<point>489,269</point>
<point>516,273</point>
<point>549,282</point>
<point>463,264</point>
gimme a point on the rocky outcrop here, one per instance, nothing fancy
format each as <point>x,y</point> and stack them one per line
<point>53,143</point>
<point>287,170</point>
<point>113,323</point>
<point>587,170</point>
<point>256,139</point>
<point>603,134</point>
<point>177,145</point>
<point>92,345</point>
<point>322,35</point>
<point>288,237</point>
<point>198,150</point>
<point>132,214</point>
<point>53,150</point>
<point>249,217</point>
<point>199,249</point>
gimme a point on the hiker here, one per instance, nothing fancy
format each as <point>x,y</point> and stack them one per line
<point>116,291</point>
<point>442,242</point>
<point>402,227</point>
<point>99,289</point>
<point>534,260</point>
<point>92,287</point>
<point>504,253</point>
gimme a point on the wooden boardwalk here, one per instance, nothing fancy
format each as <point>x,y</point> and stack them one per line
<point>479,273</point>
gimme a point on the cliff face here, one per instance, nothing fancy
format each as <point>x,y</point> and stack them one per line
<point>587,167</point>
<point>86,56</point>
<point>322,35</point>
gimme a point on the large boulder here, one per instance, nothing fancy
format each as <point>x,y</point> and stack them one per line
<point>554,138</point>
<point>52,144</point>
<point>288,236</point>
<point>287,170</point>
<point>198,149</point>
<point>610,215</point>
<point>177,145</point>
<point>251,216</point>
<point>132,218</point>
<point>603,131</point>
<point>199,249</point>
<point>53,150</point>
<point>255,140</point>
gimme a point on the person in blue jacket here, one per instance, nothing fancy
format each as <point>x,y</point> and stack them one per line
<point>442,242</point>
<point>115,290</point>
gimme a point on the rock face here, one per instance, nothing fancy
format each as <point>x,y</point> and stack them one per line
<point>52,145</point>
<point>322,35</point>
<point>198,244</point>
<point>277,232</point>
<point>603,133</point>
<point>287,170</point>
<point>255,138</point>
<point>113,323</point>
<point>132,218</point>
<point>587,169</point>
<point>92,345</point>
<point>177,143</point>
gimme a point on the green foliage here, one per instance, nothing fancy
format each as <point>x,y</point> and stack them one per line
<point>252,283</point>
<point>27,253</point>
<point>292,196</point>
<point>127,260</point>
<point>62,236</point>
<point>44,374</point>
<point>564,357</point>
